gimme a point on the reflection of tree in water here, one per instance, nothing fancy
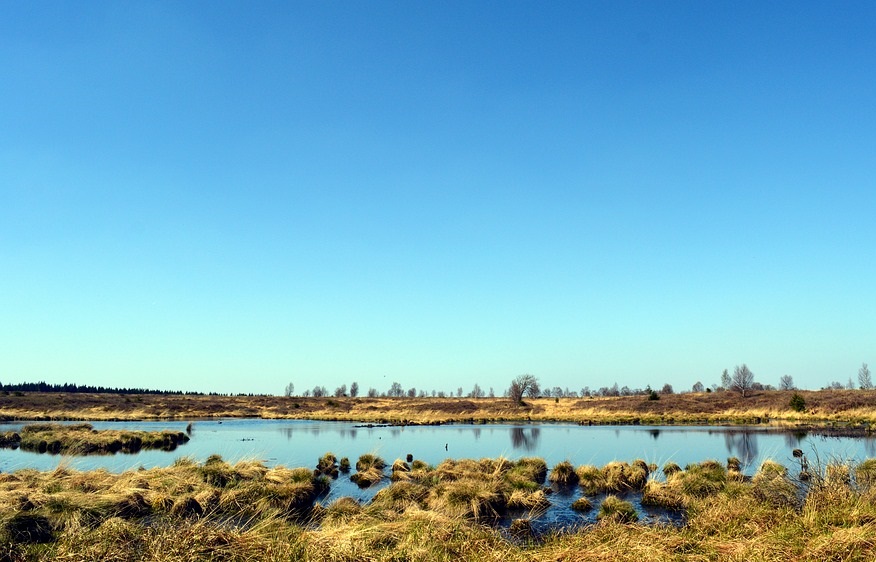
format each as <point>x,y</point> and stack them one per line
<point>477,433</point>
<point>526,439</point>
<point>741,444</point>
<point>654,433</point>
<point>794,439</point>
<point>870,446</point>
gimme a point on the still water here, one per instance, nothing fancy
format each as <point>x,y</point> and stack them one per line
<point>297,443</point>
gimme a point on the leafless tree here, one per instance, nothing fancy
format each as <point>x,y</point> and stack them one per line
<point>726,380</point>
<point>354,389</point>
<point>290,390</point>
<point>524,385</point>
<point>697,387</point>
<point>396,390</point>
<point>742,380</point>
<point>786,383</point>
<point>864,380</point>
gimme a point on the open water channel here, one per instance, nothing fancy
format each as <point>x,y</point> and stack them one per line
<point>295,443</point>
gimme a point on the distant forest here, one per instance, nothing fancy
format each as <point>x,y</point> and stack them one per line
<point>84,388</point>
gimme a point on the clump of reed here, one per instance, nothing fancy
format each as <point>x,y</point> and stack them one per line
<point>582,504</point>
<point>342,509</point>
<point>614,477</point>
<point>703,479</point>
<point>615,509</point>
<point>771,485</point>
<point>369,470</point>
<point>865,473</point>
<point>563,473</point>
<point>682,487</point>
<point>328,465</point>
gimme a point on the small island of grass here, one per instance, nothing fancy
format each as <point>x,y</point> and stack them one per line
<point>83,439</point>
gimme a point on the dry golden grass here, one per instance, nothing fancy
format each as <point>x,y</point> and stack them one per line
<point>855,407</point>
<point>129,517</point>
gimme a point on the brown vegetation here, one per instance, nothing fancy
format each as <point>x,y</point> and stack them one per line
<point>846,407</point>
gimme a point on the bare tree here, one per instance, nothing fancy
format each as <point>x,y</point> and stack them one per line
<point>290,390</point>
<point>412,392</point>
<point>697,387</point>
<point>341,391</point>
<point>319,391</point>
<point>354,389</point>
<point>667,389</point>
<point>726,380</point>
<point>477,391</point>
<point>372,393</point>
<point>786,383</point>
<point>524,385</point>
<point>743,379</point>
<point>864,380</point>
<point>396,390</point>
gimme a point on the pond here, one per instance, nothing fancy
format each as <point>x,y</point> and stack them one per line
<point>297,443</point>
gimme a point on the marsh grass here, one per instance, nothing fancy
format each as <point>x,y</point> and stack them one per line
<point>66,515</point>
<point>83,439</point>
<point>369,470</point>
<point>563,473</point>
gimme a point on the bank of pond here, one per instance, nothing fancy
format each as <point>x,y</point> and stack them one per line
<point>457,509</point>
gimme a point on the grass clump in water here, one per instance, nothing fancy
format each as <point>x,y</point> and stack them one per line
<point>564,474</point>
<point>618,510</point>
<point>369,470</point>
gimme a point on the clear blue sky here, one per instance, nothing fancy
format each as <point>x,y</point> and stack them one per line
<point>229,196</point>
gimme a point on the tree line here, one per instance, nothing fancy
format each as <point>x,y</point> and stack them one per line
<point>741,380</point>
<point>42,386</point>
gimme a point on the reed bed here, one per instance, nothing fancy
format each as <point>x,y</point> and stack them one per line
<point>247,511</point>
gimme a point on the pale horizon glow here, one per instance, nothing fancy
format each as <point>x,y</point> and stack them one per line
<point>230,197</point>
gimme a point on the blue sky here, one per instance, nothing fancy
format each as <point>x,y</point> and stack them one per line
<point>229,196</point>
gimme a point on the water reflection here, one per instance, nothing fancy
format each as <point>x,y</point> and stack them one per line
<point>794,439</point>
<point>525,438</point>
<point>654,433</point>
<point>741,444</point>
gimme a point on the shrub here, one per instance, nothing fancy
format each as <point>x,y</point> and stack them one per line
<point>797,403</point>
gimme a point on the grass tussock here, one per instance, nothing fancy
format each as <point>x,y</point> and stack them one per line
<point>613,478</point>
<point>251,512</point>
